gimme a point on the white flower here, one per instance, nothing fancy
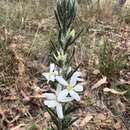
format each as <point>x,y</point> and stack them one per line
<point>53,102</point>
<point>71,88</point>
<point>51,75</point>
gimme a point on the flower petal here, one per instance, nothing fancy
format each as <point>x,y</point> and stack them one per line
<point>61,80</point>
<point>67,99</point>
<point>52,78</point>
<point>58,89</point>
<point>75,78</point>
<point>50,96</point>
<point>56,73</point>
<point>50,104</point>
<point>62,95</point>
<point>74,95</point>
<point>78,88</point>
<point>46,75</point>
<point>59,111</point>
<point>52,67</point>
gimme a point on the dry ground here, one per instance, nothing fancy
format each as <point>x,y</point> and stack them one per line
<point>25,30</point>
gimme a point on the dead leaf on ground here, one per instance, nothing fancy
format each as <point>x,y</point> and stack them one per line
<point>96,72</point>
<point>19,127</point>
<point>100,82</point>
<point>113,91</point>
<point>122,81</point>
<point>118,125</point>
<point>86,120</point>
<point>26,98</point>
<point>101,117</point>
<point>14,119</point>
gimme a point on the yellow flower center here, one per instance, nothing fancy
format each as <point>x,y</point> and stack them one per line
<point>70,87</point>
<point>51,74</point>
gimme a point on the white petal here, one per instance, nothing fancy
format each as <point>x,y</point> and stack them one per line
<point>67,99</point>
<point>75,78</point>
<point>56,73</point>
<point>46,75</point>
<point>52,67</point>
<point>74,95</point>
<point>61,80</point>
<point>58,89</point>
<point>50,96</point>
<point>50,104</point>
<point>80,79</point>
<point>62,95</point>
<point>52,78</point>
<point>59,111</point>
<point>78,88</point>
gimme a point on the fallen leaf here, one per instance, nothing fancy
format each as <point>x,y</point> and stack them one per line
<point>113,91</point>
<point>122,81</point>
<point>14,119</point>
<point>46,115</point>
<point>100,82</point>
<point>19,127</point>
<point>86,120</point>
<point>26,98</point>
<point>122,105</point>
<point>101,117</point>
<point>118,125</point>
<point>96,72</point>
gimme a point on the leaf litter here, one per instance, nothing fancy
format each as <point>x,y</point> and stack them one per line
<point>21,103</point>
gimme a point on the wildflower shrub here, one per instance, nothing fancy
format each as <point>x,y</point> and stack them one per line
<point>62,77</point>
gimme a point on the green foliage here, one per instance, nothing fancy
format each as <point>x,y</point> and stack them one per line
<point>54,117</point>
<point>128,93</point>
<point>33,127</point>
<point>65,123</point>
<point>61,53</point>
<point>124,87</point>
<point>6,54</point>
<point>110,63</point>
<point>8,67</point>
<point>65,14</point>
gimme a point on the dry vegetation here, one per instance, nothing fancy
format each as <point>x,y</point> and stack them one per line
<point>26,26</point>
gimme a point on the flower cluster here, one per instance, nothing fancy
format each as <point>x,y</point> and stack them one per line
<point>62,77</point>
<point>66,91</point>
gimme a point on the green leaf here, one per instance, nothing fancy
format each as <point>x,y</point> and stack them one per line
<point>57,18</point>
<point>72,121</point>
<point>72,55</point>
<point>53,60</point>
<point>71,109</point>
<point>67,44</point>
<point>54,47</point>
<point>72,72</point>
<point>68,121</point>
<point>53,116</point>
<point>33,127</point>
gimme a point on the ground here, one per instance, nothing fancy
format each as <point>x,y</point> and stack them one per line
<point>26,28</point>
